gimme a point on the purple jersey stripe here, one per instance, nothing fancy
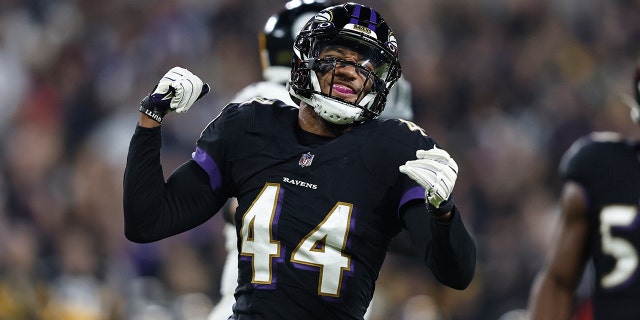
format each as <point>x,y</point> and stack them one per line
<point>411,194</point>
<point>206,162</point>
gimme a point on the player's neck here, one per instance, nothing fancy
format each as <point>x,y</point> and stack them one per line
<point>310,121</point>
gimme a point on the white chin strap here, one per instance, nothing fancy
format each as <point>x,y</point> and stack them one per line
<point>333,110</point>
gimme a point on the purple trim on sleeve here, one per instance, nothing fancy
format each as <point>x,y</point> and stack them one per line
<point>207,163</point>
<point>411,194</point>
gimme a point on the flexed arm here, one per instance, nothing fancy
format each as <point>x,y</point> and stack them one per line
<point>437,230</point>
<point>155,209</point>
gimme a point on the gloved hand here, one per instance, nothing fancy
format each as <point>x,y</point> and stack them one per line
<point>177,91</point>
<point>437,172</point>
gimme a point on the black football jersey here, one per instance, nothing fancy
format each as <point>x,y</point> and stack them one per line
<point>314,221</point>
<point>608,168</point>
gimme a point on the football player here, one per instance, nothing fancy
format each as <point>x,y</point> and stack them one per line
<point>276,42</point>
<point>599,221</point>
<point>322,188</point>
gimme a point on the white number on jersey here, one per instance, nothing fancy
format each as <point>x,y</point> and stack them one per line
<point>323,247</point>
<point>625,254</point>
<point>257,233</point>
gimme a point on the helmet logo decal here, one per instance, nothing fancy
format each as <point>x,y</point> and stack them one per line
<point>324,16</point>
<point>391,44</point>
<point>325,25</point>
<point>322,20</point>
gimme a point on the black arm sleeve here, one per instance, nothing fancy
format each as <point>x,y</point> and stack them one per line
<point>448,248</point>
<point>153,209</point>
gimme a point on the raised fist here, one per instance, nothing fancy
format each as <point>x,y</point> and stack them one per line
<point>436,171</point>
<point>176,91</point>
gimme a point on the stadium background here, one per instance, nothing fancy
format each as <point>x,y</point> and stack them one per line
<point>504,85</point>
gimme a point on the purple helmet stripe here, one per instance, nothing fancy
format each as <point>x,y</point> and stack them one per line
<point>373,20</point>
<point>356,14</point>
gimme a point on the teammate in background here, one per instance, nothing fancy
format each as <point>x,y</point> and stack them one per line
<point>276,42</point>
<point>322,189</point>
<point>599,221</point>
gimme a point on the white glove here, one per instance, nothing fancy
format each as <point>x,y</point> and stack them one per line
<point>182,86</point>
<point>176,91</point>
<point>436,171</point>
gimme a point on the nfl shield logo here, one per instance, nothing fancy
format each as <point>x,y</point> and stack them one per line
<point>306,160</point>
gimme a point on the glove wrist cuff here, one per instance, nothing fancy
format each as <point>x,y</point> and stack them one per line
<point>148,108</point>
<point>445,207</point>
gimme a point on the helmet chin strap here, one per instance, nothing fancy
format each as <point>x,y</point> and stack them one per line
<point>368,98</point>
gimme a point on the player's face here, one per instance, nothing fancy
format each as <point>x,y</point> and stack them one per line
<point>352,73</point>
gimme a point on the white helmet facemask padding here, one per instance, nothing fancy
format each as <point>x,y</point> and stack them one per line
<point>335,110</point>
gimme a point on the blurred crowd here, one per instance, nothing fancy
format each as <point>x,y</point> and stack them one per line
<point>504,85</point>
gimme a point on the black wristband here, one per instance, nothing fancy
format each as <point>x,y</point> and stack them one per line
<point>148,108</point>
<point>445,207</point>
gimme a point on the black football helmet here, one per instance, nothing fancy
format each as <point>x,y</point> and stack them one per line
<point>356,27</point>
<point>278,35</point>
